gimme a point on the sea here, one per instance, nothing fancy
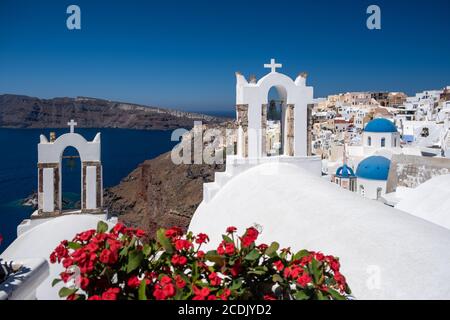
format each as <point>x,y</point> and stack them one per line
<point>122,151</point>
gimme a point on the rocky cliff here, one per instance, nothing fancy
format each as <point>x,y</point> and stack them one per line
<point>159,193</point>
<point>29,112</point>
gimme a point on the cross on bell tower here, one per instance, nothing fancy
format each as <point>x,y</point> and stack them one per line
<point>72,125</point>
<point>272,65</point>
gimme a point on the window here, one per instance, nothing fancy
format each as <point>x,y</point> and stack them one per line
<point>383,142</point>
<point>369,141</point>
<point>395,142</point>
<point>361,190</point>
<point>379,190</point>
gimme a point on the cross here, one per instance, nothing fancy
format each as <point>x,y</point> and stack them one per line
<point>72,125</point>
<point>273,66</point>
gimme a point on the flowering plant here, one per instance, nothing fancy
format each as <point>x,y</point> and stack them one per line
<point>119,264</point>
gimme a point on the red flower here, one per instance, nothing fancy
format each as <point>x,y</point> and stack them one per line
<point>212,297</point>
<point>200,294</point>
<point>181,244</point>
<point>95,297</point>
<point>67,262</point>
<point>340,279</point>
<point>91,247</point>
<point>319,256</point>
<point>269,297</point>
<point>250,237</point>
<point>229,248</point>
<point>159,294</point>
<point>221,250</point>
<point>236,269</point>
<point>140,233</point>
<point>306,260</point>
<point>108,257</point>
<point>169,290</point>
<point>173,232</point>
<point>178,260</point>
<point>165,280</point>
<point>180,283</point>
<point>225,294</point>
<point>84,282</point>
<point>287,272</point>
<point>118,228</point>
<point>231,229</point>
<point>304,280</point>
<point>110,294</point>
<point>335,265</point>
<point>263,247</point>
<point>202,238</point>
<point>200,254</point>
<point>134,282</point>
<point>65,276</point>
<point>278,265</point>
<point>214,279</point>
<point>85,236</point>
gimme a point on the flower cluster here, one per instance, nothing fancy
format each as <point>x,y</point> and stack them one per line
<point>119,264</point>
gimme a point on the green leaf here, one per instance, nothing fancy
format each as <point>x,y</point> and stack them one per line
<point>277,278</point>
<point>315,270</point>
<point>164,241</point>
<point>236,284</point>
<point>301,254</point>
<point>336,295</point>
<point>257,272</point>
<point>213,256</point>
<point>141,292</point>
<point>74,245</point>
<point>55,282</point>
<point>134,260</point>
<point>300,295</point>
<point>227,239</point>
<point>272,250</point>
<point>253,255</point>
<point>102,227</point>
<point>147,250</point>
<point>65,292</point>
<point>320,295</point>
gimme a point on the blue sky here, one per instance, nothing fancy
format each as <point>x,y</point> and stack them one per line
<point>183,54</point>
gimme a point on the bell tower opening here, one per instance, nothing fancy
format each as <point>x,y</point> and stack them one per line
<point>274,123</point>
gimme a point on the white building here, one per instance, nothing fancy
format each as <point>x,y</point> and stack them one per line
<point>286,198</point>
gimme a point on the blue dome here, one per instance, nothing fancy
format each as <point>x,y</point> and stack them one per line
<point>380,125</point>
<point>374,168</point>
<point>345,172</point>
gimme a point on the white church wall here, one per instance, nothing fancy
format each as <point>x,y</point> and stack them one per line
<point>392,140</point>
<point>369,188</point>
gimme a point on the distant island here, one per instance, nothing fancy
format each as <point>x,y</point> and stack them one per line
<point>18,111</point>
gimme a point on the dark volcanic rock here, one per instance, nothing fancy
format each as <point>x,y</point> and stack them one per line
<point>160,194</point>
<point>28,112</point>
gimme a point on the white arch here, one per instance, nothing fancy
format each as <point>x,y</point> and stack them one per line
<point>254,95</point>
<point>49,173</point>
<point>51,152</point>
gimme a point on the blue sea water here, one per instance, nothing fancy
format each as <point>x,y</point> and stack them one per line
<point>122,151</point>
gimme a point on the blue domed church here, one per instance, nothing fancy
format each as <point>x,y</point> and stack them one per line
<point>381,133</point>
<point>345,177</point>
<point>372,174</point>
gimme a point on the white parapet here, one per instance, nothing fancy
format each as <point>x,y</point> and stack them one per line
<point>236,165</point>
<point>22,285</point>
